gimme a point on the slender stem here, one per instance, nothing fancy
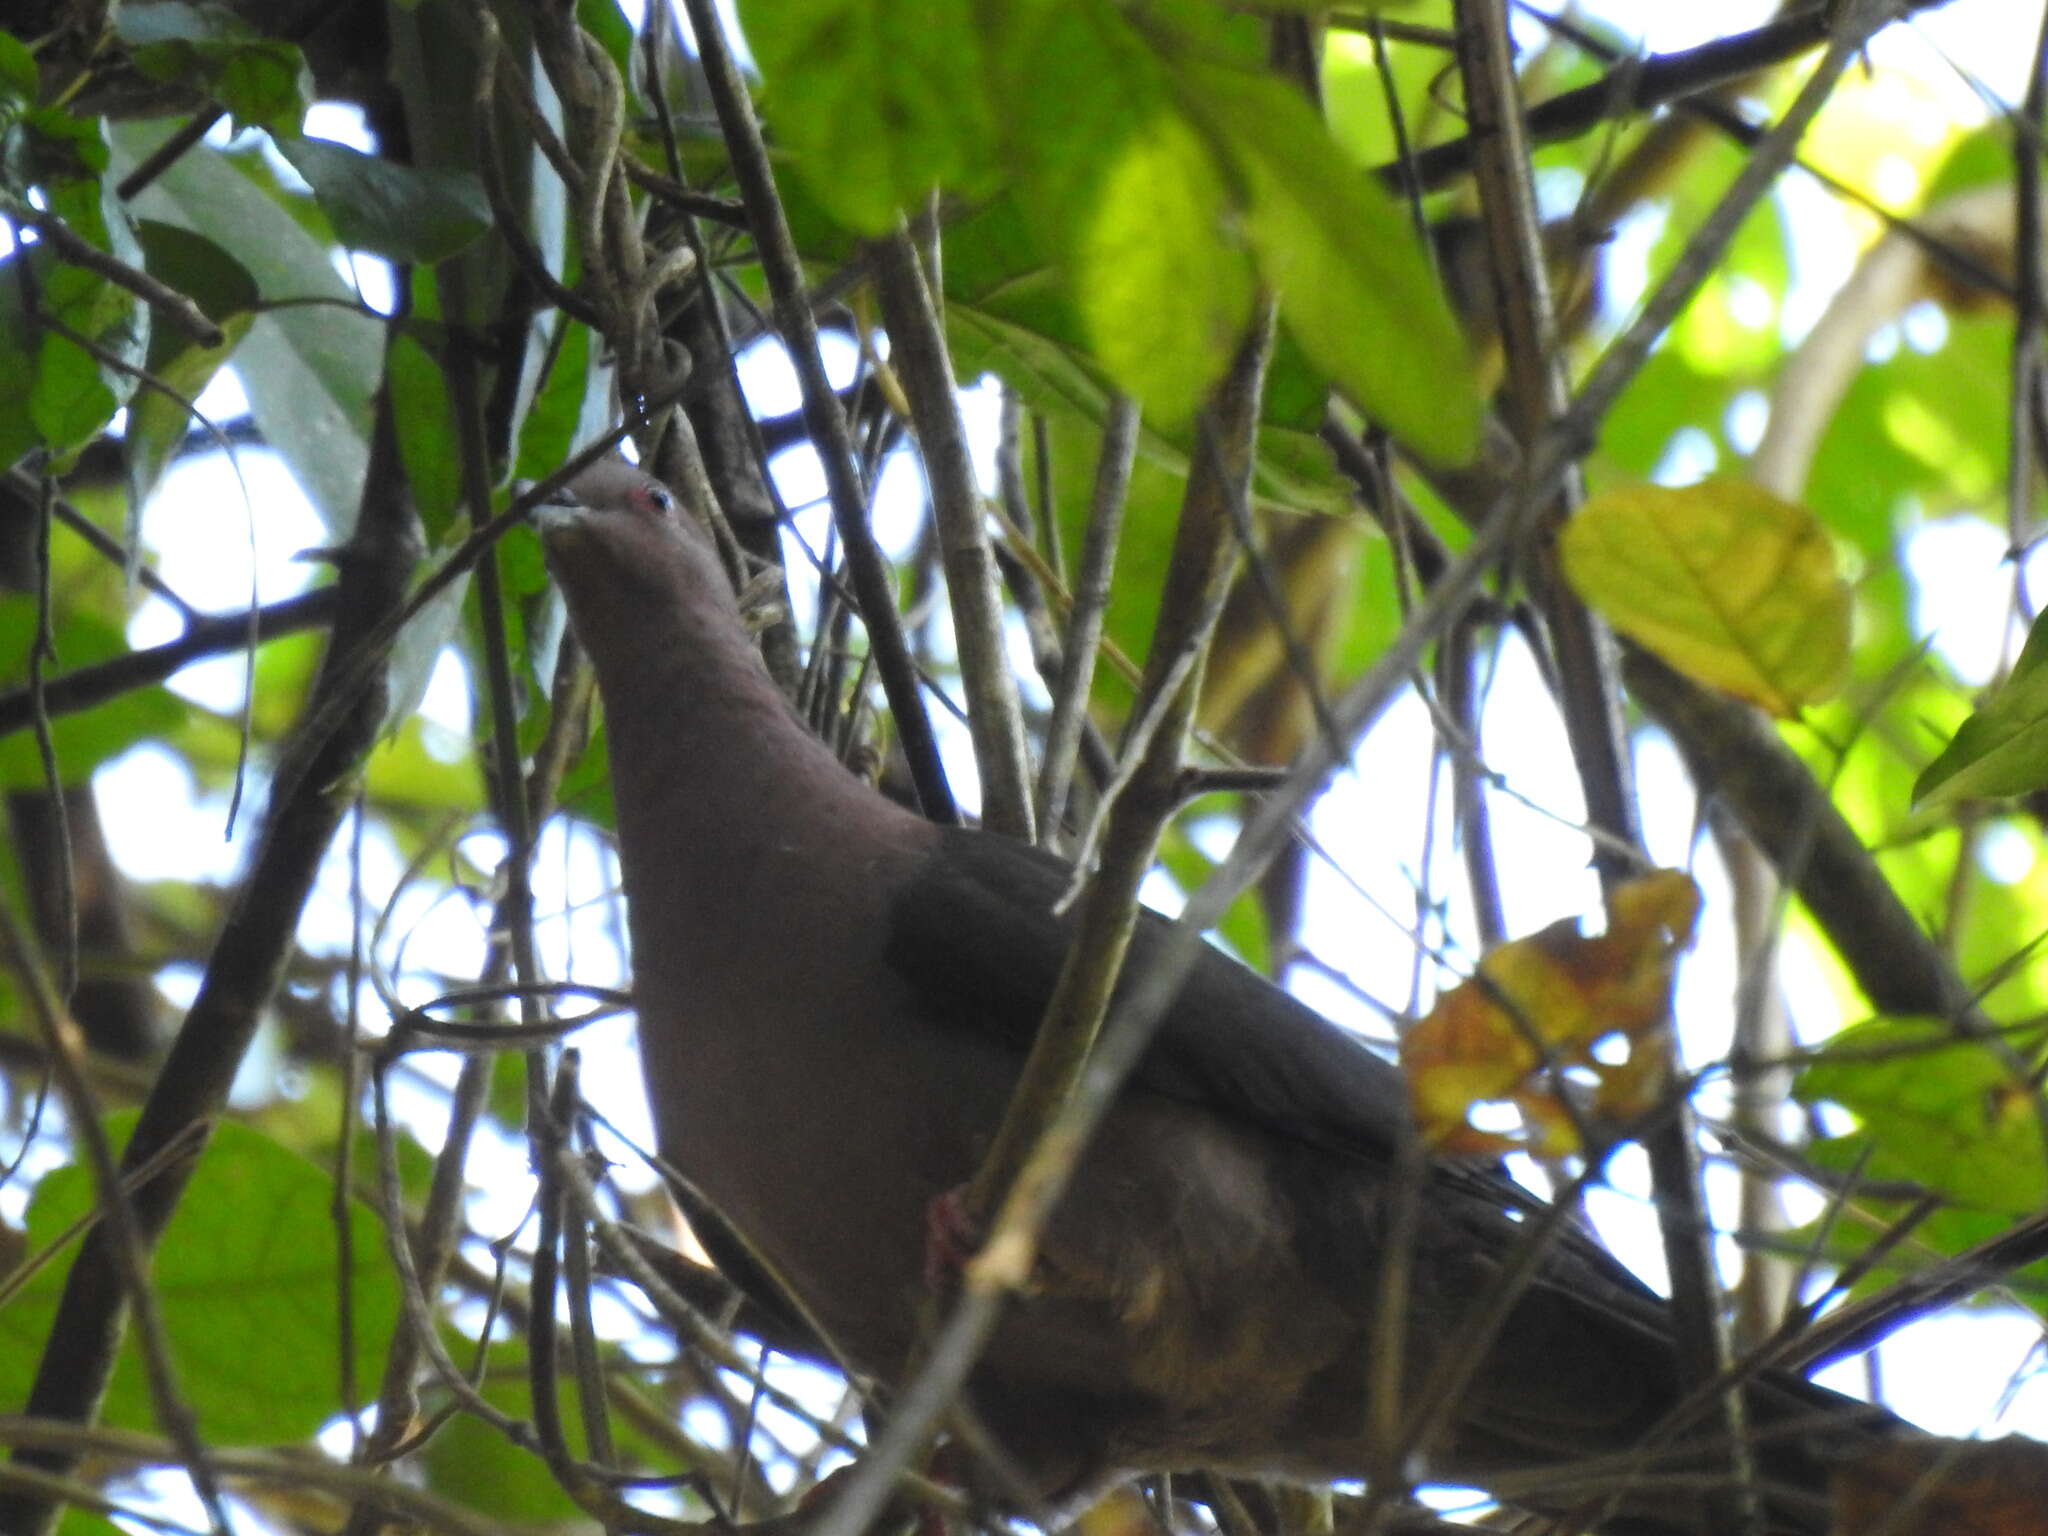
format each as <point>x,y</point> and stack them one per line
<point>827,422</point>
<point>1091,604</point>
<point>918,356</point>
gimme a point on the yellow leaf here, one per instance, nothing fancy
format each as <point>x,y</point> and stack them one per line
<point>1731,585</point>
<point>1543,1003</point>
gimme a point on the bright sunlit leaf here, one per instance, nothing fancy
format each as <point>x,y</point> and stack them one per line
<point>2003,748</point>
<point>877,102</point>
<point>1941,1110</point>
<point>1735,587</point>
<point>1355,286</point>
<point>1163,295</point>
<point>1125,199</point>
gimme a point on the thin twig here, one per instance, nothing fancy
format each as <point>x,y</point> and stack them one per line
<point>1083,639</point>
<point>799,327</point>
<point>1651,82</point>
<point>918,356</point>
<point>1064,1091</point>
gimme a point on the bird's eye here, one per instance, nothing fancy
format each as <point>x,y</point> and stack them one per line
<point>659,500</point>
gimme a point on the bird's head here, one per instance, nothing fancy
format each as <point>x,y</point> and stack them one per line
<point>616,528</point>
<point>623,551</point>
<point>609,502</point>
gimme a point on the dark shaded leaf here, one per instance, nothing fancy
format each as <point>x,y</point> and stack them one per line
<point>397,211</point>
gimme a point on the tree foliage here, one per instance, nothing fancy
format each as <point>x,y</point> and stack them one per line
<point>1266,291</point>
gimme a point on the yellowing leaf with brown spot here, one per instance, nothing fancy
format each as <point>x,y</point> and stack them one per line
<point>1735,587</point>
<point>1539,1005</point>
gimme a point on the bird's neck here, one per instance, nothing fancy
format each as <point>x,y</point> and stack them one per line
<point>715,780</point>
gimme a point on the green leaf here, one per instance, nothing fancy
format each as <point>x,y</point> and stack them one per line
<point>17,68</point>
<point>603,20</point>
<point>261,80</point>
<point>1730,584</point>
<point>397,211</point>
<point>1129,202</point>
<point>877,101</point>
<point>474,1466</point>
<point>1355,286</point>
<point>225,292</point>
<point>245,1276</point>
<point>415,767</point>
<point>2002,749</point>
<point>19,343</point>
<point>1945,1112</point>
<point>195,265</point>
<point>1164,296</point>
<point>70,391</point>
<point>586,790</point>
<point>425,421</point>
<point>570,405</point>
<point>87,738</point>
<point>309,370</point>
<point>61,147</point>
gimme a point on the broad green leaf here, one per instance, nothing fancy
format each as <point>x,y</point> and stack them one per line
<point>310,369</point>
<point>425,422</point>
<point>1163,294</point>
<point>603,20</point>
<point>876,101</point>
<point>586,790</point>
<point>478,1468</point>
<point>18,343</point>
<point>225,292</point>
<point>1125,199</point>
<point>1944,1112</point>
<point>245,1277</point>
<point>52,145</point>
<point>420,765</point>
<point>17,68</point>
<point>1355,285</point>
<point>73,388</point>
<point>2003,748</point>
<point>1008,312</point>
<point>561,411</point>
<point>1733,586</point>
<point>397,211</point>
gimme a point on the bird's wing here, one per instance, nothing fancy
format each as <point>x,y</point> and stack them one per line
<point>974,934</point>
